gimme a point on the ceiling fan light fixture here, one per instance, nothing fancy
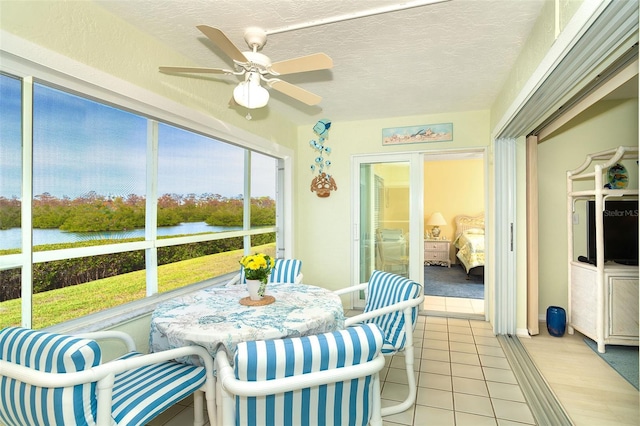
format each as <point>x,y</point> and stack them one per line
<point>250,94</point>
<point>257,67</point>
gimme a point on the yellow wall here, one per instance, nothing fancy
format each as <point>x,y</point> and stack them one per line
<point>323,230</point>
<point>453,187</point>
<point>605,125</point>
<point>396,210</point>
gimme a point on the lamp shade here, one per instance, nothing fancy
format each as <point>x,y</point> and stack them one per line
<point>436,219</point>
<point>250,94</point>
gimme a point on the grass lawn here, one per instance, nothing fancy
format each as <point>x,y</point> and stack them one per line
<point>56,306</point>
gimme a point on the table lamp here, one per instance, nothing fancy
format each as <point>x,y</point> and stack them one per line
<point>436,220</point>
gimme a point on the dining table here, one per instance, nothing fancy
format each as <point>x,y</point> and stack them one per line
<point>220,315</point>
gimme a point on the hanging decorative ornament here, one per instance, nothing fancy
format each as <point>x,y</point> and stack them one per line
<point>323,183</point>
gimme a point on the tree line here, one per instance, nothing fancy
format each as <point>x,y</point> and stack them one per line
<point>93,212</point>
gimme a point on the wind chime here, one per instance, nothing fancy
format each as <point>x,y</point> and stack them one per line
<point>323,183</point>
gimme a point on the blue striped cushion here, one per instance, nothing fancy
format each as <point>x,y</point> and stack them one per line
<point>243,279</point>
<point>156,387</point>
<point>23,404</point>
<point>385,289</point>
<point>285,271</point>
<point>339,403</point>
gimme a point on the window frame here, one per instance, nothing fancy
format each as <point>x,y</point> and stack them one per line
<point>79,79</point>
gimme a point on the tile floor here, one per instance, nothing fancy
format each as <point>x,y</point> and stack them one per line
<point>473,308</point>
<point>463,377</point>
<point>462,374</point>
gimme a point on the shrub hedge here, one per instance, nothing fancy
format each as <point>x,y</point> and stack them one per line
<point>68,272</point>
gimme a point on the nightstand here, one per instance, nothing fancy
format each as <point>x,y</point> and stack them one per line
<point>436,252</point>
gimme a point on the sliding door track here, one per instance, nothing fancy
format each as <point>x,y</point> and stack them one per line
<point>545,407</point>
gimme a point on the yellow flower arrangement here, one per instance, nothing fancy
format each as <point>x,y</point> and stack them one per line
<point>257,267</point>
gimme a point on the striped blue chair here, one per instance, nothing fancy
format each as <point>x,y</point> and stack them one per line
<point>52,379</point>
<point>392,302</point>
<point>284,271</point>
<point>326,379</point>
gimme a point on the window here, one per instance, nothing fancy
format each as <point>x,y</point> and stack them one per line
<point>123,206</point>
<point>88,169</point>
<point>263,189</point>
<point>201,187</point>
<point>200,183</point>
<point>10,163</point>
<point>10,191</point>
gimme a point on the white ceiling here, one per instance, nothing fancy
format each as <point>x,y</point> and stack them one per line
<point>443,57</point>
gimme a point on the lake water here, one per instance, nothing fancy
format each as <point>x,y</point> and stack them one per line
<point>11,239</point>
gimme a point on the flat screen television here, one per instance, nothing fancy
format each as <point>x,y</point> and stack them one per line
<point>620,226</point>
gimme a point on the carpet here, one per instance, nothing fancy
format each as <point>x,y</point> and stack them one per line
<point>452,282</point>
<point>623,359</point>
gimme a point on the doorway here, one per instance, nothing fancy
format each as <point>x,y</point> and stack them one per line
<point>454,242</point>
<point>396,195</point>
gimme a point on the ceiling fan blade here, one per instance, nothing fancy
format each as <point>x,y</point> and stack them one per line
<point>223,42</point>
<point>294,91</point>
<point>317,61</point>
<point>196,70</point>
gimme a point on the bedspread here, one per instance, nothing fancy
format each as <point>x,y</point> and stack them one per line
<point>470,249</point>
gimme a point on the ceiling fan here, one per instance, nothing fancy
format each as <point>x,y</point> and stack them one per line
<point>256,68</point>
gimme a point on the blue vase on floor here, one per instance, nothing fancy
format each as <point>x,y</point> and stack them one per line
<point>556,321</point>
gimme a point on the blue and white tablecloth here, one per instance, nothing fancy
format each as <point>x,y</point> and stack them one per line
<point>215,316</point>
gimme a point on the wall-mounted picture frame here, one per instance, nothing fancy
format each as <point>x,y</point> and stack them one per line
<point>441,132</point>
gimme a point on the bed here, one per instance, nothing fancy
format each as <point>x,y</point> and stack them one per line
<point>469,241</point>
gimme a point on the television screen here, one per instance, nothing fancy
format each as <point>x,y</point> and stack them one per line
<point>620,225</point>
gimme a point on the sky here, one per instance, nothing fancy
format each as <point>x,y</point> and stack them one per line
<point>81,146</point>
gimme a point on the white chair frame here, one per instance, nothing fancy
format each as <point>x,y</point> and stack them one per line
<point>227,386</point>
<point>104,375</point>
<point>406,307</point>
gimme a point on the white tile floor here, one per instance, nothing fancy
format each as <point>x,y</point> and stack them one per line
<point>463,378</point>
<point>456,305</point>
<point>462,374</point>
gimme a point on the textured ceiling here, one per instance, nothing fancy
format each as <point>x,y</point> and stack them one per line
<point>443,57</point>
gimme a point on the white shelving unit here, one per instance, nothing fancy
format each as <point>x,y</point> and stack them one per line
<point>603,298</point>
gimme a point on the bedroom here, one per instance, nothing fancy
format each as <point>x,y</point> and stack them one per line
<point>454,187</point>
